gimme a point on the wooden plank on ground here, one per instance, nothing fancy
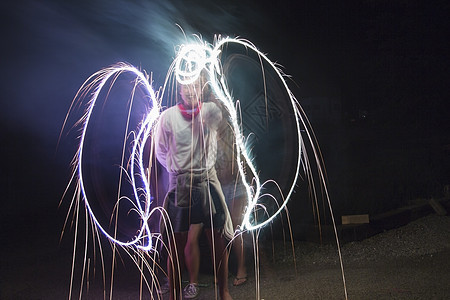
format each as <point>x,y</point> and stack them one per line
<point>355,219</point>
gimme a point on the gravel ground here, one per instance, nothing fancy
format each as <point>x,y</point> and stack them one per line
<point>410,262</point>
<point>422,237</point>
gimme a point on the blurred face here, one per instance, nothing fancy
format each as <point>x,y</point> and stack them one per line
<point>191,93</point>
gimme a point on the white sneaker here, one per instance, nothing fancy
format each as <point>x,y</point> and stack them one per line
<point>191,291</point>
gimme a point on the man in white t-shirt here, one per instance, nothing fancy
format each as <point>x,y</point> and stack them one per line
<point>186,145</point>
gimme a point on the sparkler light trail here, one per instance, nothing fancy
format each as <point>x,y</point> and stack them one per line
<point>190,61</point>
<point>143,238</point>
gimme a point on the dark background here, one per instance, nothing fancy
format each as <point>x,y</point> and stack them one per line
<point>372,75</point>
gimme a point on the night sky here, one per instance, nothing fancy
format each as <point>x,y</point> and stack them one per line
<point>386,62</point>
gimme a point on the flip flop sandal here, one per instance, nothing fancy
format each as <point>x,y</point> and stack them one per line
<point>239,281</point>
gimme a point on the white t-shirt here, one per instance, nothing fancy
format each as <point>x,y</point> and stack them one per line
<point>185,145</point>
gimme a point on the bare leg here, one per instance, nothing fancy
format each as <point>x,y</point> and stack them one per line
<point>192,252</point>
<point>237,209</point>
<point>221,258</point>
<point>175,261</point>
<point>238,249</point>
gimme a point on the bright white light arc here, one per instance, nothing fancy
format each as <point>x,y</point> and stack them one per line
<point>208,58</point>
<point>142,240</point>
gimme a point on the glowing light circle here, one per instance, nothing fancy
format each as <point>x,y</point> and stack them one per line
<point>190,61</point>
<point>143,239</point>
<point>195,55</point>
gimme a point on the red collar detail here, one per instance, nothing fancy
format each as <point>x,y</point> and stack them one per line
<point>189,113</point>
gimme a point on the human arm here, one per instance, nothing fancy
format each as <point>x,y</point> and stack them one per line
<point>160,139</point>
